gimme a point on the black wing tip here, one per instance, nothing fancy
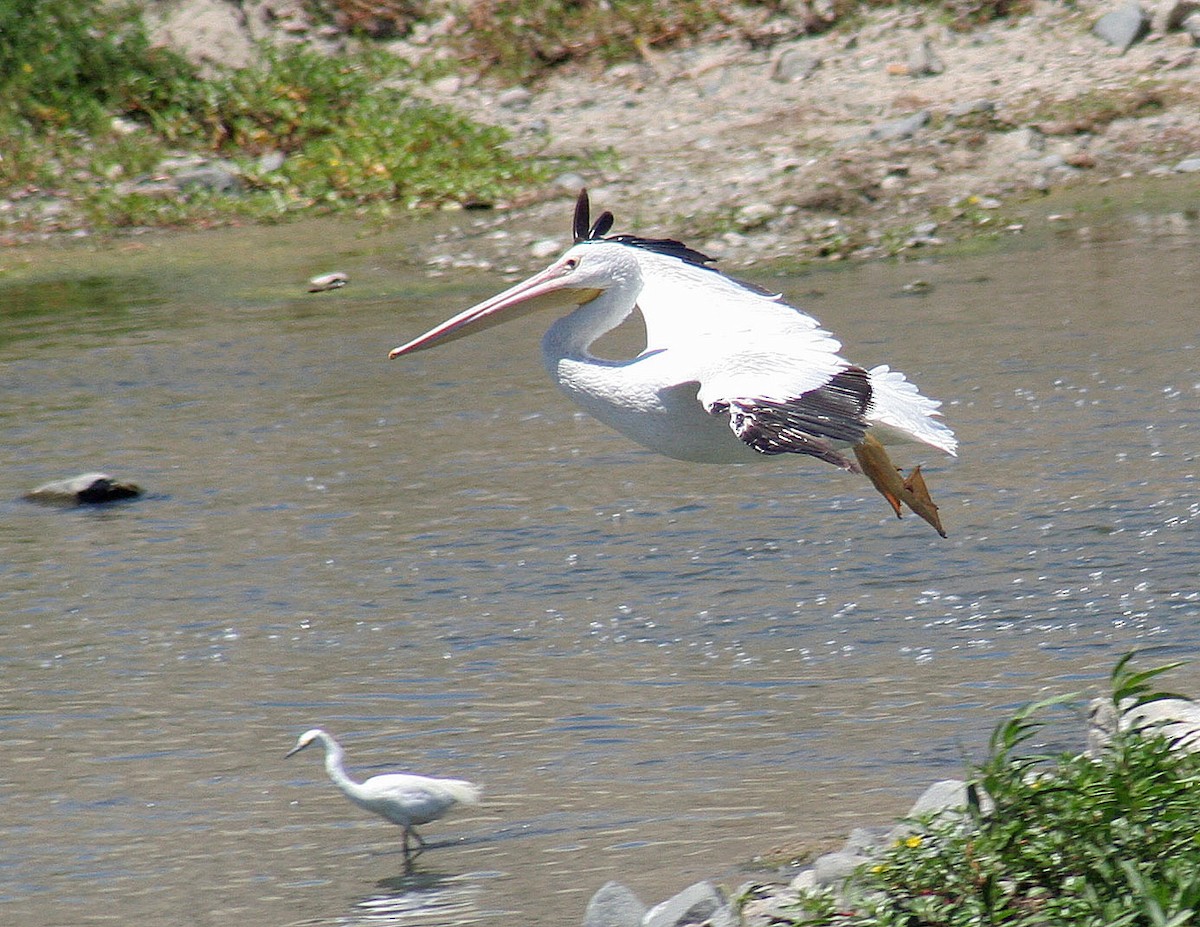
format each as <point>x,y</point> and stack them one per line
<point>585,230</point>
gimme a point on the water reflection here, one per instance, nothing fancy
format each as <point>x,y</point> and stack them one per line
<point>657,672</point>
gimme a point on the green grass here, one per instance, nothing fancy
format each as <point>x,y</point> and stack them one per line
<point>351,133</point>
<point>1064,840</point>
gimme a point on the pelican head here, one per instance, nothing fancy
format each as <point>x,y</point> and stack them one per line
<point>591,266</point>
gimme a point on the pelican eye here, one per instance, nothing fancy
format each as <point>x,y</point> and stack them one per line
<point>571,263</point>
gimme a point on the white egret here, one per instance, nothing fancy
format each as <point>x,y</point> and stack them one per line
<point>402,798</point>
<point>729,373</point>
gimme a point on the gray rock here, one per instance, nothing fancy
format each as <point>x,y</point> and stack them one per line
<point>949,794</point>
<point>1187,166</point>
<point>924,61</point>
<point>1175,718</point>
<point>1191,25</point>
<point>545,247</point>
<point>1177,13</point>
<point>515,98</point>
<point>694,905</point>
<point>1123,26</point>
<point>755,215</point>
<point>900,128</point>
<point>213,177</point>
<point>793,64</point>
<point>614,905</point>
<point>270,161</point>
<point>570,182</point>
<point>864,839</point>
<point>970,107</point>
<point>835,868</point>
<point>85,489</point>
<point>210,33</point>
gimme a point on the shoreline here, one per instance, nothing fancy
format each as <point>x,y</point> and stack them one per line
<point>885,137</point>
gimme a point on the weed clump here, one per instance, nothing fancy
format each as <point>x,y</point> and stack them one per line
<point>1055,841</point>
<point>90,110</point>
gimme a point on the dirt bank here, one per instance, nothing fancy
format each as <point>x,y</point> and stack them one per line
<point>898,133</point>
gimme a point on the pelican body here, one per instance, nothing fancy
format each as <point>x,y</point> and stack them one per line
<point>402,798</point>
<point>729,372</point>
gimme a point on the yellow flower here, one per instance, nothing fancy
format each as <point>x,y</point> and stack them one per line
<point>913,842</point>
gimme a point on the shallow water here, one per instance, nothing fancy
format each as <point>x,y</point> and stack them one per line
<point>658,671</point>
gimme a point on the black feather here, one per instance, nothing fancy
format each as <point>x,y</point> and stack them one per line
<point>603,224</point>
<point>835,411</point>
<point>585,231</point>
<point>583,211</point>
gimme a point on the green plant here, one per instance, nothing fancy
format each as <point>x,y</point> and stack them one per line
<point>1056,841</point>
<point>74,62</point>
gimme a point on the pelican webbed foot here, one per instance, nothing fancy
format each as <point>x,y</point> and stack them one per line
<point>885,476</point>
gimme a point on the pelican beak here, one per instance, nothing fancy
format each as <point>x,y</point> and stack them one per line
<point>545,288</point>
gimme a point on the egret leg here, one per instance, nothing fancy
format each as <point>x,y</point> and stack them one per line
<point>411,832</point>
<point>885,477</point>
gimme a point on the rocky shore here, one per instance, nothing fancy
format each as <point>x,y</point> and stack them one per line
<point>897,132</point>
<point>758,904</point>
<point>891,133</point>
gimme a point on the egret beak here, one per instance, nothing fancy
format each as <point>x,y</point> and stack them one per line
<point>296,749</point>
<point>527,296</point>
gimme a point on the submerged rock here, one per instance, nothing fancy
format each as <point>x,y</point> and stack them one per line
<point>85,489</point>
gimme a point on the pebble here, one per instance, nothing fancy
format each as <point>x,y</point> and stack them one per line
<point>544,248</point>
<point>515,98</point>
<point>923,61</point>
<point>1188,166</point>
<point>792,65</point>
<point>1191,25</point>
<point>982,105</point>
<point>900,128</point>
<point>215,177</point>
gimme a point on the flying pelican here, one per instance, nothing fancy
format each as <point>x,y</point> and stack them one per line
<point>401,798</point>
<point>729,372</point>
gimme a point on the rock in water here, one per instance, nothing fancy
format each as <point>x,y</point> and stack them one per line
<point>324,282</point>
<point>85,489</point>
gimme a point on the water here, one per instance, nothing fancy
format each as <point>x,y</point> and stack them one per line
<point>659,672</point>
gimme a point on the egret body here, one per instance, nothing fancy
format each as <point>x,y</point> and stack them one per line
<point>729,373</point>
<point>402,798</point>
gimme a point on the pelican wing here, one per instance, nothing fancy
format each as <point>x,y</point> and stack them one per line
<point>681,300</point>
<point>806,423</point>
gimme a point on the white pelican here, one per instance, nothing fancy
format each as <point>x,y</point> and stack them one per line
<point>401,798</point>
<point>729,372</point>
